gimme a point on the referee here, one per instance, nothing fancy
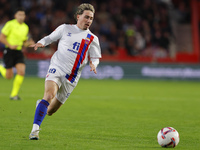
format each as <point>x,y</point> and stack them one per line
<point>14,35</point>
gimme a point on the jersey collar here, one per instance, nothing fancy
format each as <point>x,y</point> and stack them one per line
<point>79,28</point>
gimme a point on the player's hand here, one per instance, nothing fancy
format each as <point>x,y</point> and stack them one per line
<point>29,42</point>
<point>93,68</point>
<point>36,46</point>
<point>13,47</point>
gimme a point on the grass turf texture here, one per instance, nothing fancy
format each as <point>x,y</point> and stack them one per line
<point>103,115</point>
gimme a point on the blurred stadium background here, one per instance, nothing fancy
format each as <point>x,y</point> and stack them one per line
<point>139,38</point>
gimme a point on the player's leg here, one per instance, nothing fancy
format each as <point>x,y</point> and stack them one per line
<point>3,71</point>
<point>20,67</point>
<point>54,106</point>
<point>62,95</point>
<point>9,73</point>
<point>6,73</point>
<point>51,89</point>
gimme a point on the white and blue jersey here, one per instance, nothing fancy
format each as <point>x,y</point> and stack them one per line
<point>74,47</point>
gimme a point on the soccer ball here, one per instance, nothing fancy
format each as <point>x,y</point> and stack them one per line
<point>168,137</point>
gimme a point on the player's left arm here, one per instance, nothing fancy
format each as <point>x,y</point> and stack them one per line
<point>95,54</point>
<point>93,64</point>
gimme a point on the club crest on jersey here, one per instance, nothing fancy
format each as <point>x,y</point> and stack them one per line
<point>87,40</point>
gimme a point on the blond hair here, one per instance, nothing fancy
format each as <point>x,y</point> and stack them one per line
<point>82,7</point>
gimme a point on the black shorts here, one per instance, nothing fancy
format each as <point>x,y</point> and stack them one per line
<point>12,57</point>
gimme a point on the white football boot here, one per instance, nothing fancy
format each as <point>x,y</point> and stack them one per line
<point>34,135</point>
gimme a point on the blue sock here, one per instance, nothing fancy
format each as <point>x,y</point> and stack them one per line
<point>40,112</point>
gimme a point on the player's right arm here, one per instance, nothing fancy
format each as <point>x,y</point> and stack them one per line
<point>54,36</point>
<point>36,46</point>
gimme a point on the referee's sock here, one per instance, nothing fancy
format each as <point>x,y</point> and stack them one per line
<point>3,71</point>
<point>40,113</point>
<point>16,85</point>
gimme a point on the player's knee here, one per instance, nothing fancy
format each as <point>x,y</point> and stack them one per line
<point>48,96</point>
<point>50,113</point>
<point>21,73</point>
<point>9,76</point>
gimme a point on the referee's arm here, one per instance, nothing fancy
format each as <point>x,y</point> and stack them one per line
<point>5,42</point>
<point>28,42</point>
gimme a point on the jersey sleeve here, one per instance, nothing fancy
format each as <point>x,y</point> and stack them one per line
<point>57,33</point>
<point>95,50</point>
<point>54,36</point>
<point>6,29</point>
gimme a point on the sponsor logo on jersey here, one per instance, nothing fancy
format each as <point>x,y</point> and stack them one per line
<point>69,34</point>
<point>76,45</point>
<point>73,51</point>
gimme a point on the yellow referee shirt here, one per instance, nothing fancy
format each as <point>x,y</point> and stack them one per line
<point>16,33</point>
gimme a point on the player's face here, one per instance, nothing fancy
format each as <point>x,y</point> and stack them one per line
<point>20,16</point>
<point>84,20</point>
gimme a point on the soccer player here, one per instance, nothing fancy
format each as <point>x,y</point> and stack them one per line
<point>76,44</point>
<point>14,35</point>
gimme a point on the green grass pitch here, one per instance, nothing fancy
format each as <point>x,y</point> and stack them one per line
<point>103,115</point>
